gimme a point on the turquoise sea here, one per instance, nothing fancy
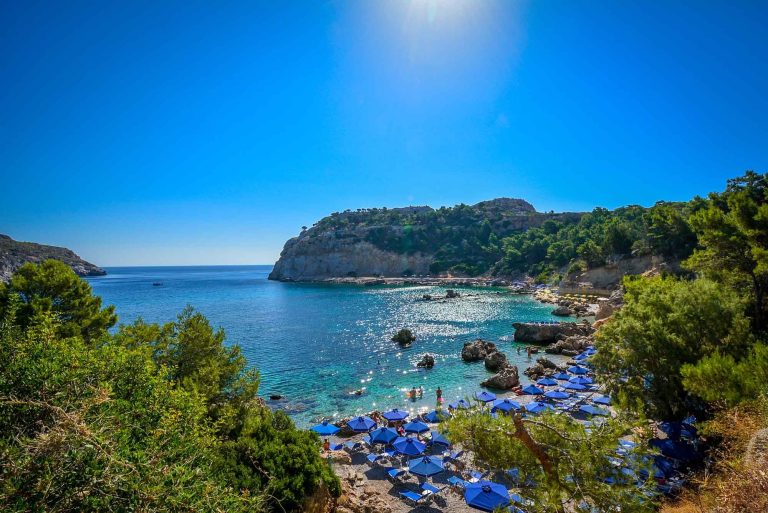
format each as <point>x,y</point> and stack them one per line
<point>317,344</point>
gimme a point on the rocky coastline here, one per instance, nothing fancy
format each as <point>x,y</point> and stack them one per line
<point>14,254</point>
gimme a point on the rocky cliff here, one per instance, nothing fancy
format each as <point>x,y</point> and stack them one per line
<point>14,254</point>
<point>403,241</point>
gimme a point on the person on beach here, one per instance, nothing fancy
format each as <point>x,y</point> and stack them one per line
<point>326,445</point>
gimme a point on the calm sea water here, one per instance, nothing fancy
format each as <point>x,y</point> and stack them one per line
<point>317,344</point>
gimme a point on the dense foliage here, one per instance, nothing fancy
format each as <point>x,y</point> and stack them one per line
<point>507,237</point>
<point>560,462</point>
<point>152,418</point>
<point>665,324</point>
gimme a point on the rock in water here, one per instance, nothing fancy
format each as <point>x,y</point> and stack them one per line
<point>427,361</point>
<point>506,379</point>
<point>536,333</point>
<point>496,361</point>
<point>477,350</point>
<point>450,294</point>
<point>562,311</point>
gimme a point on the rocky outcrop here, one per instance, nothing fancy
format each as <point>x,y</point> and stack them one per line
<point>607,278</point>
<point>570,346</point>
<point>541,333</point>
<point>427,361</point>
<point>477,350</point>
<point>380,242</point>
<point>496,361</point>
<point>562,311</point>
<point>543,367</point>
<point>506,379</point>
<point>14,254</point>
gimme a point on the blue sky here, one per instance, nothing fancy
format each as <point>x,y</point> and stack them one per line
<point>141,133</point>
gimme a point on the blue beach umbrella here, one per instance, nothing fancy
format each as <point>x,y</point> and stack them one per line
<point>416,427</point>
<point>505,405</point>
<point>436,416</point>
<point>601,399</point>
<point>409,446</point>
<point>538,407</point>
<point>439,439</point>
<point>532,390</point>
<point>426,466</point>
<point>557,394</point>
<point>577,369</point>
<point>574,386</point>
<point>460,404</point>
<point>485,396</point>
<point>395,415</point>
<point>581,380</point>
<point>383,435</point>
<point>547,382</point>
<point>593,410</point>
<point>562,376</point>
<point>486,495</point>
<point>361,424</point>
<point>325,428</point>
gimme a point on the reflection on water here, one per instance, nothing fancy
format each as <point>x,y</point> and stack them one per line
<point>326,348</point>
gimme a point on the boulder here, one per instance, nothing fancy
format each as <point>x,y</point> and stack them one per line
<point>570,346</point>
<point>506,379</point>
<point>450,294</point>
<point>496,361</point>
<point>427,361</point>
<point>541,368</point>
<point>477,350</point>
<point>541,333</point>
<point>562,311</point>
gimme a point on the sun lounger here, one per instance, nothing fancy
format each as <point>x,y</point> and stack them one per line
<point>430,488</point>
<point>373,459</point>
<point>353,446</point>
<point>336,447</point>
<point>395,475</point>
<point>415,499</point>
<point>457,482</point>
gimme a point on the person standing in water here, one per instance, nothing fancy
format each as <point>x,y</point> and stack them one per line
<point>439,393</point>
<point>421,392</point>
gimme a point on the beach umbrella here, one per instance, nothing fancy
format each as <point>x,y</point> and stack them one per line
<point>557,394</point>
<point>593,410</point>
<point>581,380</point>
<point>577,369</point>
<point>416,427</point>
<point>601,399</point>
<point>361,424</point>
<point>460,404</point>
<point>547,382</point>
<point>582,356</point>
<point>485,396</point>
<point>325,428</point>
<point>409,446</point>
<point>486,495</point>
<point>532,390</point>
<point>505,405</point>
<point>439,439</point>
<point>383,435</point>
<point>538,407</point>
<point>395,415</point>
<point>436,416</point>
<point>574,386</point>
<point>426,466</point>
<point>562,376</point>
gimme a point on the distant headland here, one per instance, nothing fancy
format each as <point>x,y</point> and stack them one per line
<point>14,254</point>
<point>500,241</point>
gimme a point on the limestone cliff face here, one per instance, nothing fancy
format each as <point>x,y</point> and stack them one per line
<point>14,254</point>
<point>312,257</point>
<point>397,242</point>
<point>608,277</point>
